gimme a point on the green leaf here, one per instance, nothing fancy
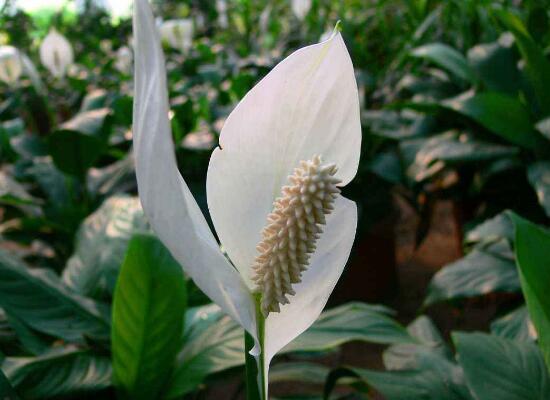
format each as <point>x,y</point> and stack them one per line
<point>447,58</point>
<point>532,247</point>
<point>101,244</point>
<point>303,372</point>
<point>351,321</point>
<point>79,142</point>
<point>491,231</point>
<point>404,356</point>
<point>537,67</point>
<point>539,177</point>
<point>6,390</point>
<point>495,64</point>
<point>501,114</point>
<point>148,309</point>
<point>94,100</point>
<point>478,273</point>
<point>497,368</point>
<point>39,299</point>
<point>59,373</point>
<point>515,325</point>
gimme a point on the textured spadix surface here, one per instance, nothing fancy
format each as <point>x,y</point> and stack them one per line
<point>292,231</point>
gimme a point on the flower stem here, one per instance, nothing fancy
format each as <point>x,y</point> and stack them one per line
<point>256,378</point>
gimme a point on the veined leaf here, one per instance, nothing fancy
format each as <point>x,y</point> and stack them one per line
<point>148,309</point>
<point>446,57</point>
<point>539,177</point>
<point>497,368</point>
<point>515,325</point>
<point>39,299</point>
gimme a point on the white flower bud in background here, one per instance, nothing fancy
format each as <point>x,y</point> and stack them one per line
<point>301,8</point>
<point>178,33</point>
<point>221,8</point>
<point>124,59</point>
<point>10,64</point>
<point>264,19</point>
<point>56,53</point>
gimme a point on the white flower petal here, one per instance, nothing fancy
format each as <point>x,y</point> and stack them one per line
<point>166,199</point>
<point>10,64</point>
<point>307,105</point>
<point>56,53</point>
<point>327,264</point>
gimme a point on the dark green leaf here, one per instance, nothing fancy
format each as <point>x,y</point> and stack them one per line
<point>446,57</point>
<point>58,373</point>
<point>38,298</point>
<point>480,272</point>
<point>492,230</point>
<point>6,390</point>
<point>101,244</point>
<point>539,177</point>
<point>503,115</point>
<point>148,309</point>
<point>537,67</point>
<point>532,254</point>
<point>94,100</point>
<point>497,368</point>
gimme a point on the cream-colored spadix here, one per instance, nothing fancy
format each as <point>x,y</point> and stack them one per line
<point>292,230</point>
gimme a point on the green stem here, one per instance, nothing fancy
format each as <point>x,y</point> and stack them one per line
<point>256,378</point>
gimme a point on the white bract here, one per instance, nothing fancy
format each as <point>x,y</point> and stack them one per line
<point>271,187</point>
<point>56,53</point>
<point>11,65</point>
<point>301,8</point>
<point>124,59</point>
<point>221,9</point>
<point>178,33</point>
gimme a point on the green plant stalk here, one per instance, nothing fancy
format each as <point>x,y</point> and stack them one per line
<point>256,379</point>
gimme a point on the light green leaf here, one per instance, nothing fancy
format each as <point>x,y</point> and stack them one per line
<point>39,299</point>
<point>532,247</point>
<point>539,177</point>
<point>101,244</point>
<point>447,58</point>
<point>478,273</point>
<point>303,372</point>
<point>498,368</point>
<point>59,373</point>
<point>148,309</point>
<point>515,325</point>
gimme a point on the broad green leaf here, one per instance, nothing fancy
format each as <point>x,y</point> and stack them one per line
<point>532,247</point>
<point>491,230</point>
<point>478,273</point>
<point>119,177</point>
<point>148,309</point>
<point>304,372</point>
<point>79,142</point>
<point>58,374</point>
<point>515,325</point>
<point>40,300</point>
<point>537,66</point>
<point>352,321</point>
<point>30,340</point>
<point>6,390</point>
<point>503,115</point>
<point>101,244</point>
<point>495,65</point>
<point>404,356</point>
<point>539,177</point>
<point>94,100</point>
<point>14,194</point>
<point>435,379</point>
<point>447,58</point>
<point>498,368</point>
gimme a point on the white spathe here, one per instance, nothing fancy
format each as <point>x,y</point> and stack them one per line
<point>124,60</point>
<point>178,33</point>
<point>221,9</point>
<point>307,105</point>
<point>301,8</point>
<point>11,65</point>
<point>56,53</point>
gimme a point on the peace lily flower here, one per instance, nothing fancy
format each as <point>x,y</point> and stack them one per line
<point>11,66</point>
<point>178,33</point>
<point>56,53</point>
<point>271,186</point>
<point>124,59</point>
<point>301,8</point>
<point>221,9</point>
